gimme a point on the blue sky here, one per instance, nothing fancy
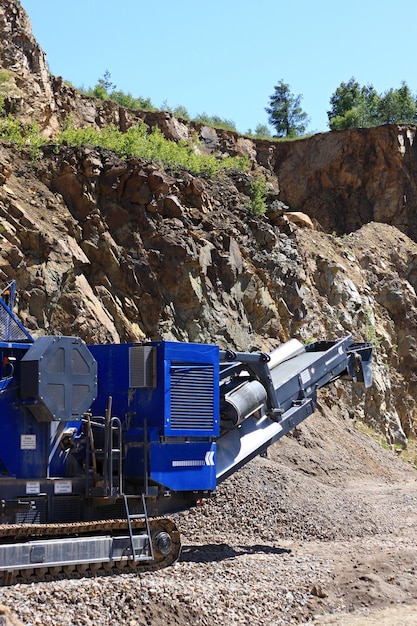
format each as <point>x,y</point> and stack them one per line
<point>224,57</point>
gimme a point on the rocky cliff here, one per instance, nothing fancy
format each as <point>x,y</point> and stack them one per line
<point>116,250</point>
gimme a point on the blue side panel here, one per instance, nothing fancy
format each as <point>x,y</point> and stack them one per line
<point>134,466</point>
<point>113,378</point>
<point>184,466</point>
<point>24,442</point>
<point>175,408</point>
<point>25,446</point>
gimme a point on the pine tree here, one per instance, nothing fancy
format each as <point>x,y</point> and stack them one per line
<point>285,113</point>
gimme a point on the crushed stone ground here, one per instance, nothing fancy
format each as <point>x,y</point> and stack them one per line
<point>322,532</point>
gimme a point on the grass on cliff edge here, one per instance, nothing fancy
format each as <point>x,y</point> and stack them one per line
<point>136,142</point>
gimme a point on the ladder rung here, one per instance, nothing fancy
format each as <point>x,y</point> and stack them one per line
<point>137,553</point>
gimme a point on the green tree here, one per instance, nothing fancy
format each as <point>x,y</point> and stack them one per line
<point>128,101</point>
<point>285,113</point>
<point>389,109</point>
<point>181,111</point>
<point>408,105</point>
<point>398,106</point>
<point>370,104</point>
<point>353,106</point>
<point>352,119</point>
<point>103,87</point>
<point>106,82</point>
<point>258,194</point>
<point>261,131</point>
<point>178,111</point>
<point>346,97</point>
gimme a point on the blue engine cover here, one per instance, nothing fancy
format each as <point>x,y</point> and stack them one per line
<point>167,393</point>
<point>186,391</point>
<point>170,385</point>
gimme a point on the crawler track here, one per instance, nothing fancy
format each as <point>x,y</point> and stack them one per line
<point>18,533</point>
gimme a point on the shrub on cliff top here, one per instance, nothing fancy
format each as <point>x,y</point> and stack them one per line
<point>138,142</point>
<point>22,135</point>
<point>258,194</point>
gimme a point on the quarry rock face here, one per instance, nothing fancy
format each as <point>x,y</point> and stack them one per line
<point>124,250</point>
<point>26,82</point>
<point>345,180</point>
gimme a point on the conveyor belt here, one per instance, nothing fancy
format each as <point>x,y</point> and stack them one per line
<point>295,381</point>
<point>286,370</point>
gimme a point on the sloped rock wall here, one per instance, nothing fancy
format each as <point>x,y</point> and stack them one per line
<point>117,250</point>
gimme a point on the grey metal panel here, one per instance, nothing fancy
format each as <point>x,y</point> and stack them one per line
<point>191,400</point>
<point>142,367</point>
<point>56,552</point>
<point>58,378</point>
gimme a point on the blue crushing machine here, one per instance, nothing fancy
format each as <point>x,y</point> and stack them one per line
<point>99,443</point>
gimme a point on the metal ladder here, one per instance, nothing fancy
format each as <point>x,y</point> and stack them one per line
<point>111,453</point>
<point>138,557</point>
<point>112,427</point>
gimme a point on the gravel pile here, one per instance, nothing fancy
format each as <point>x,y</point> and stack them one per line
<point>261,552</point>
<point>237,587</point>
